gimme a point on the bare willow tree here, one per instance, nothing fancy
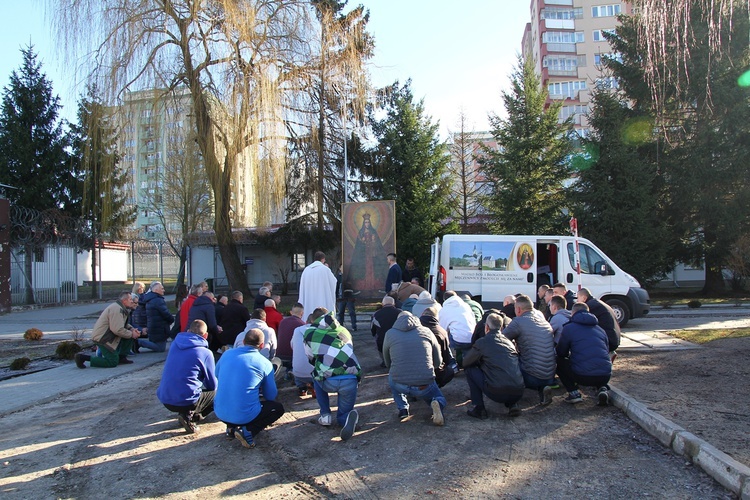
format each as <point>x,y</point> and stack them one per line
<point>239,60</point>
<point>334,100</point>
<point>466,186</point>
<point>667,32</point>
<point>184,203</point>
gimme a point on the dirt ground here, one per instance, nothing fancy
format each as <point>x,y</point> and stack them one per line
<point>115,440</point>
<point>703,390</point>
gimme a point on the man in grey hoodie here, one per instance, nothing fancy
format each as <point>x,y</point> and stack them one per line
<point>559,316</point>
<point>411,353</point>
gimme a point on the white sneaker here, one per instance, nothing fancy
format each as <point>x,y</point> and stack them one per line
<point>437,413</point>
<point>325,420</point>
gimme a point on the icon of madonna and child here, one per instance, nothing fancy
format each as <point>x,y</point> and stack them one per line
<point>368,235</point>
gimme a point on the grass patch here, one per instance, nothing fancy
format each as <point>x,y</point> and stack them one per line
<point>711,334</point>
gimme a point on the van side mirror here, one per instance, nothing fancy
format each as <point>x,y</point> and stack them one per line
<point>603,268</point>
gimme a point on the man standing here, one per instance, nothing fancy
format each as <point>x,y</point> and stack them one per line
<point>158,319</point>
<point>492,369</point>
<point>243,372</point>
<point>188,380</point>
<point>233,319</point>
<point>458,320</point>
<point>606,317</point>
<point>329,348</point>
<point>411,353</point>
<point>112,334</point>
<point>534,343</point>
<point>583,356</point>
<point>317,286</point>
<point>394,273</point>
<point>382,321</point>
<point>346,298</point>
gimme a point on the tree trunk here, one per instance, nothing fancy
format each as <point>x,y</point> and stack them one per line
<point>93,270</point>
<point>181,270</point>
<point>714,284</point>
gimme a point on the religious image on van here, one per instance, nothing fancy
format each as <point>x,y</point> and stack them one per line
<point>485,256</point>
<point>368,235</point>
<point>525,256</point>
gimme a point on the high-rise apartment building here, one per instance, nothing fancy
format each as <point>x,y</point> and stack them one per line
<point>155,127</point>
<point>566,40</point>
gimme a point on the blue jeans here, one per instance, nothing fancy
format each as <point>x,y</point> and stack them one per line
<point>345,386</point>
<point>426,393</point>
<point>302,382</point>
<point>531,382</point>
<point>342,305</point>
<point>154,346</point>
<point>460,348</point>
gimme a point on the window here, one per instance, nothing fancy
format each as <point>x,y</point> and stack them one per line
<point>560,63</point>
<point>567,89</point>
<point>561,13</point>
<point>609,82</point>
<point>562,37</point>
<point>598,35</point>
<point>591,261</point>
<point>606,10</point>
<point>567,111</point>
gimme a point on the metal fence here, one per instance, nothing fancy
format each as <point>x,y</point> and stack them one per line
<point>152,260</point>
<point>46,258</point>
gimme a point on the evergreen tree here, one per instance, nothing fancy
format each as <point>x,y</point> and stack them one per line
<point>703,121</point>
<point>527,170</point>
<point>95,157</point>
<point>617,194</point>
<point>33,155</point>
<point>411,168</point>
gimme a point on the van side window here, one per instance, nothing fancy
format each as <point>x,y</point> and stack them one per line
<point>589,258</point>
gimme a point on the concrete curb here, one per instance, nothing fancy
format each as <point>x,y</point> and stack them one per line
<point>727,471</point>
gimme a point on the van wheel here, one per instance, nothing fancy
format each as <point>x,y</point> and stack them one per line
<point>622,311</point>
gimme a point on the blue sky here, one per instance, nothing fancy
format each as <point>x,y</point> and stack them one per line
<point>458,55</point>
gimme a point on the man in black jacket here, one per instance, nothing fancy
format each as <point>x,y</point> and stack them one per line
<point>492,370</point>
<point>234,318</point>
<point>382,321</point>
<point>158,319</point>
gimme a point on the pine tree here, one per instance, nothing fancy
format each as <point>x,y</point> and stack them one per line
<point>33,155</point>
<point>411,165</point>
<point>527,170</point>
<point>702,121</point>
<point>96,159</point>
<point>617,195</point>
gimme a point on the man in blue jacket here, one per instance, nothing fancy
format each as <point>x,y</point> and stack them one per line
<point>203,308</point>
<point>188,381</point>
<point>583,356</point>
<point>158,319</point>
<point>244,372</point>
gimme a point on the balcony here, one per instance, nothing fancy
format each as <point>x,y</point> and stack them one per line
<point>561,47</point>
<point>562,72</point>
<point>566,24</point>
<point>569,3</point>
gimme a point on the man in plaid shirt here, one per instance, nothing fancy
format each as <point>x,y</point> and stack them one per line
<point>329,347</point>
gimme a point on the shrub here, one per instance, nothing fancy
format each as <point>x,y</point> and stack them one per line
<point>67,350</point>
<point>20,363</point>
<point>33,334</point>
<point>694,304</point>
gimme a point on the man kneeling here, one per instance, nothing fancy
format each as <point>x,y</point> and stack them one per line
<point>243,373</point>
<point>492,369</point>
<point>188,381</point>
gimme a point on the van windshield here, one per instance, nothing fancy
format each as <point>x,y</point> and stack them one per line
<point>590,258</point>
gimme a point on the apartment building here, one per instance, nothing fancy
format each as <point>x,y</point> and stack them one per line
<point>566,40</point>
<point>154,129</point>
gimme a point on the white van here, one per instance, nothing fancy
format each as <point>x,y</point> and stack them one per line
<point>490,267</point>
